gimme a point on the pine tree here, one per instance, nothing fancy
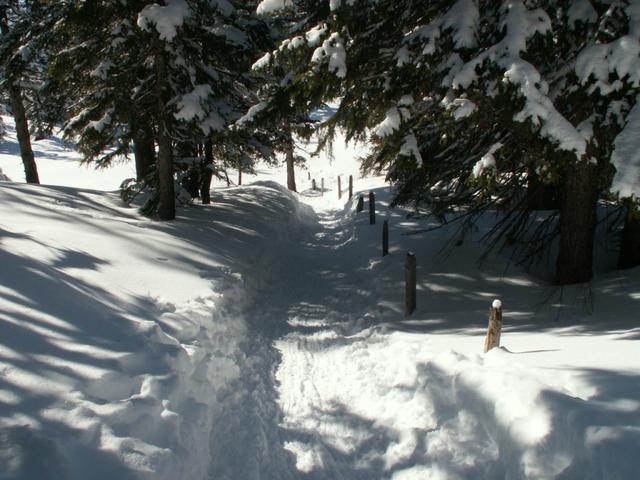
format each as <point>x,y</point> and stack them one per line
<point>175,71</point>
<point>479,104</point>
<point>21,28</point>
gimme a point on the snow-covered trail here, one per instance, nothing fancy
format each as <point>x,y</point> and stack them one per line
<point>310,292</point>
<point>337,390</point>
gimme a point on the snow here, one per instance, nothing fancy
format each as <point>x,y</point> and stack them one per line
<point>263,337</point>
<point>626,156</point>
<point>333,50</point>
<point>262,62</point>
<point>487,162</point>
<point>390,124</point>
<point>271,6</point>
<point>166,18</point>
<point>190,106</point>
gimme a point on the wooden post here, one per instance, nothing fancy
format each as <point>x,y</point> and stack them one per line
<point>339,187</point>
<point>495,326</point>
<point>360,205</point>
<point>410,284</point>
<point>322,186</point>
<point>313,184</point>
<point>385,238</point>
<point>308,175</point>
<point>350,186</point>
<point>372,208</point>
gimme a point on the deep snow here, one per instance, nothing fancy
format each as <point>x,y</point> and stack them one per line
<point>263,337</point>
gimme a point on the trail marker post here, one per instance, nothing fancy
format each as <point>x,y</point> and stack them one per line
<point>339,187</point>
<point>350,186</point>
<point>495,326</point>
<point>410,284</point>
<point>322,186</point>
<point>385,238</point>
<point>372,208</point>
<point>360,205</point>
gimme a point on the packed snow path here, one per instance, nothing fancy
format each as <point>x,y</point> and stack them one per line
<point>332,390</point>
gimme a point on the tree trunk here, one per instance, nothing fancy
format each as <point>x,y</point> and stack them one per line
<point>578,218</point>
<point>166,192</point>
<point>20,118</point>
<point>629,256</point>
<point>291,174</point>
<point>207,173</point>
<point>22,132</point>
<point>239,171</point>
<point>143,151</point>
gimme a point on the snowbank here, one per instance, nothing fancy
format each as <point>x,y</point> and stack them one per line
<point>122,337</point>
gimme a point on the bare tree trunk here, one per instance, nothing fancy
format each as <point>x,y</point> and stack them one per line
<point>629,256</point>
<point>205,187</point>
<point>166,192</point>
<point>22,132</point>
<point>143,150</point>
<point>291,174</point>
<point>20,118</point>
<point>578,218</point>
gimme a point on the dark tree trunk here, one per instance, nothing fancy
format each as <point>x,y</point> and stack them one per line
<point>239,171</point>
<point>207,173</point>
<point>629,256</point>
<point>166,191</point>
<point>22,132</point>
<point>578,218</point>
<point>541,196</point>
<point>143,151</point>
<point>20,118</point>
<point>291,174</point>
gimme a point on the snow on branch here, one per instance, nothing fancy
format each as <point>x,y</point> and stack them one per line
<point>167,19</point>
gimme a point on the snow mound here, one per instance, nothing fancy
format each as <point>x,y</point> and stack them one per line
<point>123,339</point>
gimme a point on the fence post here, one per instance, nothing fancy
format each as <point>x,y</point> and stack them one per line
<point>322,186</point>
<point>372,208</point>
<point>385,238</point>
<point>308,175</point>
<point>410,284</point>
<point>350,186</point>
<point>495,326</point>
<point>339,187</point>
<point>360,205</point>
<point>313,184</point>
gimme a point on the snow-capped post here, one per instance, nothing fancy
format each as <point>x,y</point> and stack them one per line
<point>350,186</point>
<point>410,284</point>
<point>372,208</point>
<point>495,326</point>
<point>360,205</point>
<point>385,238</point>
<point>339,187</point>
<point>313,184</point>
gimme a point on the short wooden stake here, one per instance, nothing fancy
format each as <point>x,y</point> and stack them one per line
<point>360,205</point>
<point>339,187</point>
<point>410,284</point>
<point>385,238</point>
<point>308,175</point>
<point>322,186</point>
<point>372,208</point>
<point>350,186</point>
<point>495,326</point>
<point>313,184</point>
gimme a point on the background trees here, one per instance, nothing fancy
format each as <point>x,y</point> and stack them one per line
<point>174,74</point>
<point>484,104</point>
